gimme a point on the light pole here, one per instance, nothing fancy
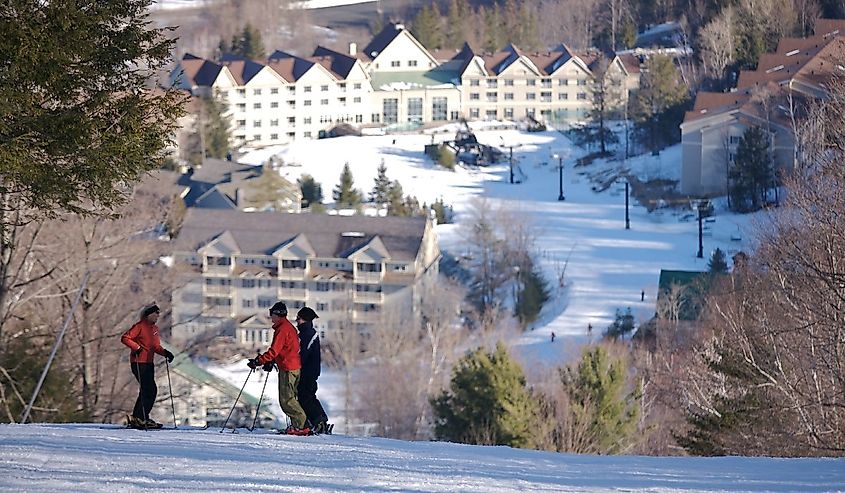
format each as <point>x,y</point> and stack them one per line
<point>627,216</point>
<point>510,159</point>
<point>559,157</point>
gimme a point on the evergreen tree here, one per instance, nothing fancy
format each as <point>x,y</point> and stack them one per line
<point>248,44</point>
<point>487,403</point>
<point>270,191</point>
<point>751,173</point>
<point>659,105</point>
<point>312,192</point>
<point>454,35</point>
<point>442,212</point>
<point>599,404</point>
<point>534,293</point>
<point>605,101</point>
<point>345,193</point>
<point>510,23</point>
<point>216,128</point>
<point>395,200</point>
<point>381,188</point>
<point>426,27</point>
<point>495,37</point>
<point>718,263</point>
<point>529,34</point>
<point>622,325</point>
<point>80,117</point>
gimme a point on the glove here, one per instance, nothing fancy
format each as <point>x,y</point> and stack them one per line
<point>268,366</point>
<point>137,352</point>
<point>252,364</point>
<point>168,355</point>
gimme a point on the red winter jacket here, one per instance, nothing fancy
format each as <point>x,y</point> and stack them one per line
<point>143,335</point>
<point>284,349</point>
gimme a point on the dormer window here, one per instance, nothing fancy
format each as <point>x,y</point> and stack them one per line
<point>293,264</point>
<point>210,260</point>
<point>362,267</point>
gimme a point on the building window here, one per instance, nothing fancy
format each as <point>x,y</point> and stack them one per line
<point>546,83</point>
<point>256,106</point>
<point>395,63</point>
<point>474,96</point>
<point>256,137</point>
<point>439,109</point>
<point>306,120</point>
<point>582,96</point>
<point>359,118</point>
<point>475,82</point>
<point>247,283</point>
<point>307,102</point>
<point>356,99</point>
<point>256,92</point>
<point>491,114</point>
<point>256,123</point>
<point>508,112</point>
<point>324,102</point>
<point>531,96</point>
<point>265,302</point>
<point>492,83</point>
<point>508,82</point>
<point>582,82</point>
<point>356,85</point>
<point>274,104</point>
<point>415,110</point>
<point>323,287</point>
<point>274,90</point>
<point>241,124</point>
<point>241,107</point>
<point>293,264</point>
<point>508,96</point>
<point>390,110</point>
<point>473,113</point>
<point>546,97</point>
<point>341,101</point>
<point>291,120</point>
<point>561,82</point>
<point>364,267</point>
<point>306,89</point>
<point>241,92</point>
<point>531,82</point>
<point>562,96</point>
<point>324,88</point>
<point>274,136</point>
<point>306,135</point>
<point>274,123</point>
<point>492,97</point>
<point>375,117</point>
<point>412,63</point>
<point>455,115</point>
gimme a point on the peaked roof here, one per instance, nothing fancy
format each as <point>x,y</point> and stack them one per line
<point>261,233</point>
<point>339,63</point>
<point>382,39</point>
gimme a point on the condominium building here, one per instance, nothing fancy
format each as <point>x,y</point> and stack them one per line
<point>396,82</point>
<point>234,265</point>
<point>769,97</point>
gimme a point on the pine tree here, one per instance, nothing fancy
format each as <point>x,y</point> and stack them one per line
<point>396,200</point>
<point>599,404</point>
<point>270,191</point>
<point>312,192</point>
<point>532,296</point>
<point>751,173</point>
<point>248,44</point>
<point>487,402</point>
<point>495,37</point>
<point>718,263</point>
<point>622,325</point>
<point>345,193</point>
<point>659,105</point>
<point>381,188</point>
<point>426,27</point>
<point>442,212</point>
<point>216,128</point>
<point>529,34</point>
<point>454,36</point>
<point>605,101</point>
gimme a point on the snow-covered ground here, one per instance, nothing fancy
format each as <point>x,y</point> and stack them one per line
<point>606,266</point>
<point>94,458</point>
<point>306,4</point>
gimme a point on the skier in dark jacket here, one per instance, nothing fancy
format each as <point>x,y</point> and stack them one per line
<point>143,341</point>
<point>309,351</point>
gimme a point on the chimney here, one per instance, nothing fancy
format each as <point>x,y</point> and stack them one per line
<point>399,27</point>
<point>353,49</point>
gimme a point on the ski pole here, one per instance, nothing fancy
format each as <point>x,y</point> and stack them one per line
<point>170,386</point>
<point>258,409</point>
<point>236,400</point>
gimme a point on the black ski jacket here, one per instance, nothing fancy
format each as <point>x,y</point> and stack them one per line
<point>309,351</point>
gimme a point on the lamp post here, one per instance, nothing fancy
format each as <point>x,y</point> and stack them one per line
<point>510,159</point>
<point>627,216</point>
<point>559,157</point>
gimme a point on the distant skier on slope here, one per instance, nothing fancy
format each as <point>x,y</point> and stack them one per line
<point>309,352</point>
<point>284,352</point>
<point>144,342</point>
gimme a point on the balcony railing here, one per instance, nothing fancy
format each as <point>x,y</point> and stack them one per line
<point>371,277</point>
<point>291,274</point>
<point>216,289</point>
<point>368,297</point>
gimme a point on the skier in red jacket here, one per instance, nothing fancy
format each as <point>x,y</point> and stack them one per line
<point>284,352</point>
<point>144,341</point>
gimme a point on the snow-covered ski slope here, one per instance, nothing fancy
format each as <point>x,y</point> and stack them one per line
<point>94,458</point>
<point>606,266</point>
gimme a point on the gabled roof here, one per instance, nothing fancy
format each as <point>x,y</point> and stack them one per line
<point>339,63</point>
<point>262,232</point>
<point>223,242</point>
<point>243,70</point>
<point>199,72</point>
<point>382,39</point>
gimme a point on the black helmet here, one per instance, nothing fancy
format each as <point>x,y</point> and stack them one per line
<point>279,309</point>
<point>306,314</point>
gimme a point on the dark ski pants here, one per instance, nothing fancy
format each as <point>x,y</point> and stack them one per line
<point>145,375</point>
<point>306,394</point>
